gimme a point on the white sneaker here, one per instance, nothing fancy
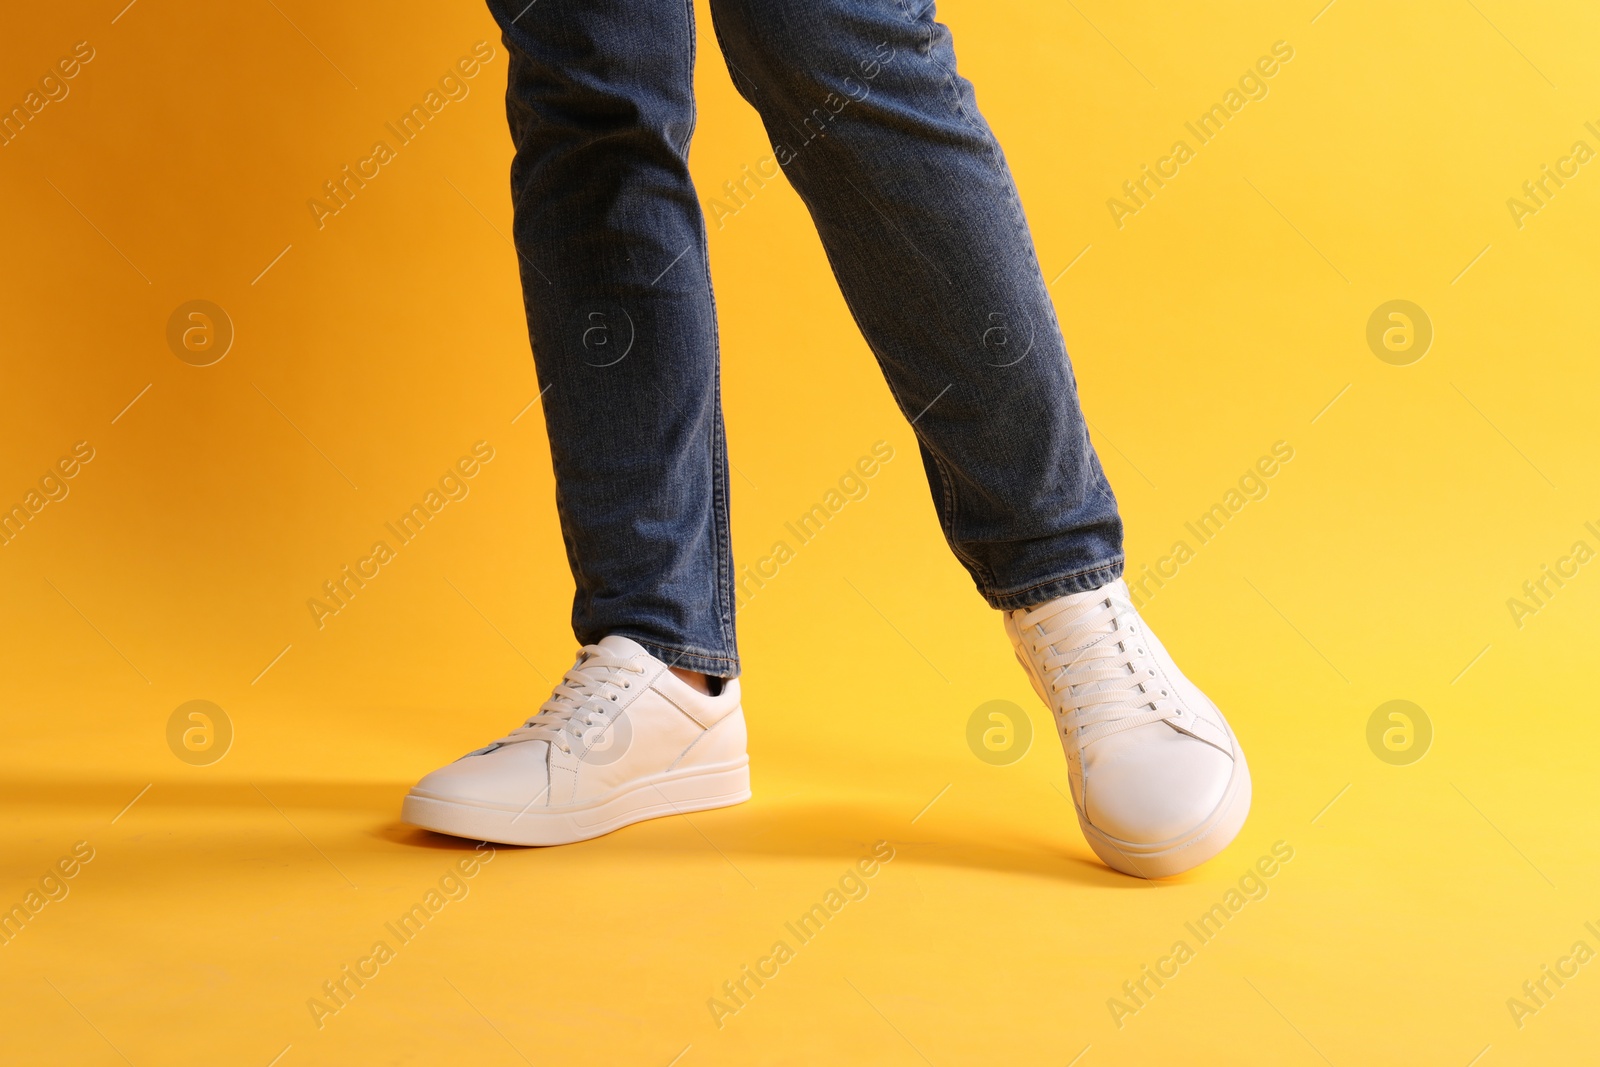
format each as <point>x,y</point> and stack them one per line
<point>622,739</point>
<point>1157,776</point>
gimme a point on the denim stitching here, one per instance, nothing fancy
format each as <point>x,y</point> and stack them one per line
<point>996,156</point>
<point>696,653</point>
<point>1117,563</point>
<point>982,572</point>
<point>952,97</point>
<point>694,105</point>
<point>722,549</point>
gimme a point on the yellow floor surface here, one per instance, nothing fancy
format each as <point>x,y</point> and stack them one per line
<point>1418,883</point>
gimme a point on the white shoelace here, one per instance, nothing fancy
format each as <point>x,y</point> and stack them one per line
<point>584,697</point>
<point>1098,669</point>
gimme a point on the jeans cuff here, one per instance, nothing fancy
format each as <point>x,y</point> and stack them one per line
<point>701,661</point>
<point>1079,581</point>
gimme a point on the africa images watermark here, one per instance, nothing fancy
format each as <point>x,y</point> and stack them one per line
<point>752,978</point>
<point>340,190</point>
<point>353,578</point>
<point>1138,992</point>
<point>852,486</point>
<point>338,992</point>
<point>1252,85</point>
<point>53,487</point>
<point>1538,992</point>
<point>53,888</point>
<point>741,191</point>
<point>53,88</point>
<point>1538,592</point>
<point>1538,192</point>
<point>1251,486</point>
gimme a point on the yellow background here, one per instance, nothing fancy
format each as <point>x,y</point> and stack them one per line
<point>1223,317</point>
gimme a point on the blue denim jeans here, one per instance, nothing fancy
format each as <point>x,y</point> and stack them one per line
<point>919,216</point>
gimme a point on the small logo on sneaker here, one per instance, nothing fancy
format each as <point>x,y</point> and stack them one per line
<point>999,732</point>
<point>1399,733</point>
<point>199,733</point>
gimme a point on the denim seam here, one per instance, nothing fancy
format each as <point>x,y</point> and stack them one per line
<point>947,484</point>
<point>696,653</point>
<point>735,74</point>
<point>947,513</point>
<point>996,155</point>
<point>694,106</point>
<point>997,161</point>
<point>720,519</point>
<point>722,547</point>
<point>951,95</point>
<point>1115,563</point>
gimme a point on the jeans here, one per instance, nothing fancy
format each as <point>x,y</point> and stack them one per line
<point>920,219</point>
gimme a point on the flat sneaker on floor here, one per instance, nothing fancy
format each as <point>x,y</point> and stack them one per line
<point>1158,779</point>
<point>622,739</point>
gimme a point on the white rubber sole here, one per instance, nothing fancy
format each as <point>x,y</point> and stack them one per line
<point>1166,858</point>
<point>668,793</point>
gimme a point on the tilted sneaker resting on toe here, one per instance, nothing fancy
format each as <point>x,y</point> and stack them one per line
<point>621,739</point>
<point>1157,776</point>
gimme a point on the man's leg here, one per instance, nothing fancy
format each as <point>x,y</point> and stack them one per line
<point>916,208</point>
<point>921,222</point>
<point>614,277</point>
<point>612,250</point>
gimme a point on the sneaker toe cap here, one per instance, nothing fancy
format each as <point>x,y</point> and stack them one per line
<point>511,776</point>
<point>1156,790</point>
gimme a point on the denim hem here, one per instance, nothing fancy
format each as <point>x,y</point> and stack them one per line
<point>702,661</point>
<point>1080,581</point>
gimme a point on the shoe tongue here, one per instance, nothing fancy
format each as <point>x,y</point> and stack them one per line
<point>617,645</point>
<point>1116,590</point>
<point>1083,604</point>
